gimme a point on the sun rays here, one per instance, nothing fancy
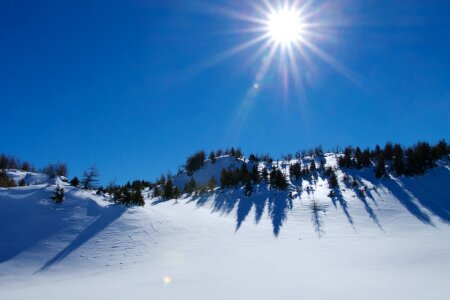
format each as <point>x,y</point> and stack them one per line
<point>287,38</point>
<point>284,44</point>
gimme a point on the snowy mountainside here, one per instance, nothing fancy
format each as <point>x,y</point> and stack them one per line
<point>392,242</point>
<point>209,170</point>
<point>30,178</point>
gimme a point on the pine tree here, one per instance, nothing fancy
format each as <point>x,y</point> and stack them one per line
<point>441,150</point>
<point>225,178</point>
<point>156,192</point>
<point>399,164</point>
<point>376,152</point>
<point>254,175</point>
<point>380,167</point>
<point>195,162</point>
<point>211,184</point>
<point>3,162</point>
<point>75,182</point>
<point>295,171</point>
<point>322,164</point>
<point>332,179</point>
<point>388,151</point>
<point>58,196</point>
<point>190,186</point>
<point>238,153</point>
<point>137,198</point>
<point>100,191</point>
<point>212,157</point>
<point>366,158</point>
<point>244,175</point>
<point>348,157</point>
<point>312,166</point>
<point>168,189</point>
<point>252,158</point>
<point>176,192</point>
<point>264,174</point>
<point>342,162</point>
<point>278,180</point>
<point>5,181</point>
<point>126,195</point>
<point>26,166</point>
<point>318,151</point>
<point>358,158</point>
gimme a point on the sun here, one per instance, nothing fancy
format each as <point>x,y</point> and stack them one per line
<point>284,40</point>
<point>285,26</point>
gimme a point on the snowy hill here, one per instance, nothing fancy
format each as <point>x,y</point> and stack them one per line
<point>392,242</point>
<point>30,178</point>
<point>208,170</point>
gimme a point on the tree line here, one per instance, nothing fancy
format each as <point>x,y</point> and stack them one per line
<point>390,159</point>
<point>393,158</point>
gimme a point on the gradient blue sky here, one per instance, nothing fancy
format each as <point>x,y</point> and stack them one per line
<point>130,86</point>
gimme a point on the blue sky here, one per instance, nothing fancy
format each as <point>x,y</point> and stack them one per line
<point>135,86</point>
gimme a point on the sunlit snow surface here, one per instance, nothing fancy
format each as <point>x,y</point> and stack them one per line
<point>393,243</point>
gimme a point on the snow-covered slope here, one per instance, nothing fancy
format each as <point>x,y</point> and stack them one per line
<point>30,178</point>
<point>209,170</point>
<point>393,243</point>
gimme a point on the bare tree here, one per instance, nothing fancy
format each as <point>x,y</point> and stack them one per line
<point>61,169</point>
<point>90,178</point>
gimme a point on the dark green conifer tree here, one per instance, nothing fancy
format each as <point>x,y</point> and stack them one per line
<point>58,196</point>
<point>332,179</point>
<point>358,158</point>
<point>75,182</point>
<point>399,163</point>
<point>212,157</point>
<point>388,151</point>
<point>190,186</point>
<point>380,167</point>
<point>254,175</point>
<point>295,171</point>
<point>264,174</point>
<point>168,189</point>
<point>211,184</point>
<point>156,192</point>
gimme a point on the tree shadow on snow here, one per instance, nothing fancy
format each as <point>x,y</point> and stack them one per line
<point>225,201</point>
<point>18,210</point>
<point>104,217</point>
<point>316,209</point>
<point>397,189</point>
<point>430,192</point>
<point>362,194</point>
<point>343,204</point>
<point>279,204</point>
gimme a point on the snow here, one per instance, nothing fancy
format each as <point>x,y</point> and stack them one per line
<point>30,178</point>
<point>394,243</point>
<point>209,170</point>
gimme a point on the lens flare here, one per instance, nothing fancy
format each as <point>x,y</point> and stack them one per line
<point>167,280</point>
